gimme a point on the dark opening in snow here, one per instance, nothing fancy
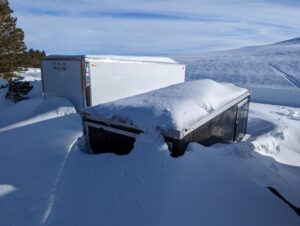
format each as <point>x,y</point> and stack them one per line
<point>103,141</point>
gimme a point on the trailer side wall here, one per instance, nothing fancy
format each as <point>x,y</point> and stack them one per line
<point>111,81</point>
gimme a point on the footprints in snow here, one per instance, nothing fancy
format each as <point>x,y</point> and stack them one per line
<point>290,114</point>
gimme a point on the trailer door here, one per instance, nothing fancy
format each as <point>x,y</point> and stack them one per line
<point>63,78</point>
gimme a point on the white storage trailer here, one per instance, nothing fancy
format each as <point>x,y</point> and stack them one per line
<point>90,80</point>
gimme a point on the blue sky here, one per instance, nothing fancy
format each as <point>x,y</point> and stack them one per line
<point>154,27</point>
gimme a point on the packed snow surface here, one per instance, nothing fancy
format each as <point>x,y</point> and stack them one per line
<point>172,107</point>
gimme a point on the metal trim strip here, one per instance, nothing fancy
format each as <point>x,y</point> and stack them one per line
<point>110,129</point>
<point>120,127</point>
<point>108,121</point>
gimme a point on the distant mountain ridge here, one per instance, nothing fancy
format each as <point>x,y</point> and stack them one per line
<point>294,41</point>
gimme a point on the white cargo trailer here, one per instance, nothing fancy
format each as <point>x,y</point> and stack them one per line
<point>90,80</point>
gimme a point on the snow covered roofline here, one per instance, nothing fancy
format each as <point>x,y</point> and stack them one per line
<point>116,58</point>
<point>176,109</point>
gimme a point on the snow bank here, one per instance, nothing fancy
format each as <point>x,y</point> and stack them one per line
<point>34,111</point>
<point>173,107</point>
<point>274,131</point>
<point>19,111</point>
<point>33,154</point>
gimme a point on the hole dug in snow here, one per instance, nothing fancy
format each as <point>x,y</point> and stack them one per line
<point>102,141</point>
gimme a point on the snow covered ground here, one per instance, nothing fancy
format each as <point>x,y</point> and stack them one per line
<point>45,178</point>
<point>267,70</point>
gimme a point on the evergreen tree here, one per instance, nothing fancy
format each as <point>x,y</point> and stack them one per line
<point>32,58</point>
<point>12,46</point>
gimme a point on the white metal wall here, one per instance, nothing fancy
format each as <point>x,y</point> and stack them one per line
<point>62,78</point>
<point>115,80</point>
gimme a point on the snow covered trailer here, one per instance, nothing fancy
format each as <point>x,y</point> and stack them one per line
<point>91,80</point>
<point>202,111</point>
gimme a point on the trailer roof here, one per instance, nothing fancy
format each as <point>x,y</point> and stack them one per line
<point>114,58</point>
<point>174,107</point>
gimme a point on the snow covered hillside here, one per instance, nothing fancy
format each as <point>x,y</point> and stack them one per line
<point>46,178</point>
<point>272,72</point>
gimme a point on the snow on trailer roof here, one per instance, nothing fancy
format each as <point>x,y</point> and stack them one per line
<point>174,107</point>
<point>118,58</point>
